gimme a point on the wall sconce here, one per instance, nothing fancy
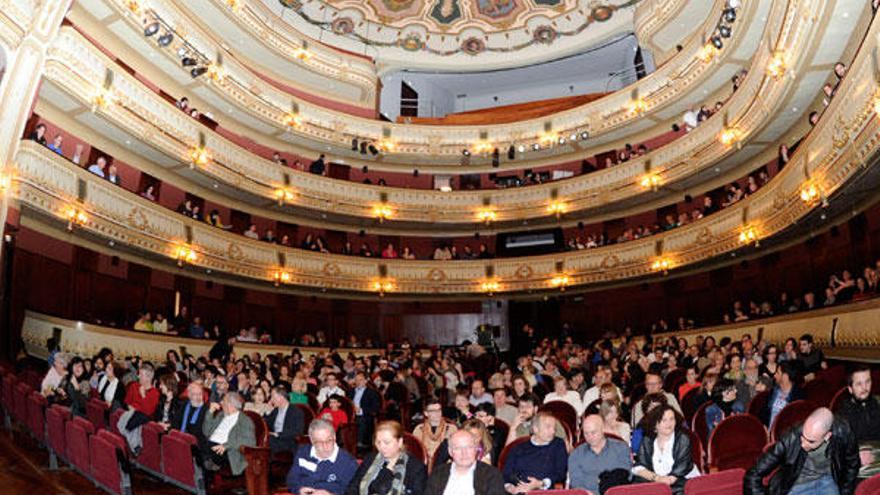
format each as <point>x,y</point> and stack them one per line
<point>637,106</point>
<point>487,215</point>
<point>482,147</point>
<point>651,181</point>
<point>281,277</point>
<point>386,145</point>
<point>291,120</point>
<point>75,218</point>
<point>776,68</point>
<point>810,193</point>
<point>728,136</point>
<point>303,53</point>
<point>133,6</point>
<point>661,265</point>
<point>877,103</point>
<point>556,208</point>
<point>284,196</point>
<point>233,5</point>
<point>5,181</point>
<point>560,281</point>
<point>216,71</point>
<point>383,286</point>
<point>490,287</point>
<point>184,255</point>
<point>748,236</point>
<point>382,212</point>
<point>199,156</point>
<point>103,99</point>
<point>707,52</point>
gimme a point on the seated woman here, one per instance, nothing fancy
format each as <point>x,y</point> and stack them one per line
<point>614,424</point>
<point>258,402</point>
<point>648,402</point>
<point>333,412</point>
<point>110,387</point>
<point>390,470</point>
<point>298,390</point>
<point>74,388</point>
<point>724,403</point>
<point>665,454</point>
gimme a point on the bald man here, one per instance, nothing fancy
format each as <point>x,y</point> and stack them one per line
<point>465,475</point>
<point>819,457</point>
<point>595,455</point>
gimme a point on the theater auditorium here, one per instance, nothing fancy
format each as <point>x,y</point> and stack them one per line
<point>440,247</point>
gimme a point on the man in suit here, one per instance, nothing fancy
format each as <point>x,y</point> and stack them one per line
<point>226,432</point>
<point>465,474</point>
<point>285,422</point>
<point>189,416</point>
<point>366,407</point>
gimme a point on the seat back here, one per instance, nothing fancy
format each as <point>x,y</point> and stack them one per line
<point>697,450</point>
<point>674,379</point>
<point>36,415</point>
<point>56,430</point>
<point>114,420</point>
<point>415,448</point>
<point>729,482</point>
<point>641,489</point>
<point>698,423</point>
<point>150,456</point>
<point>77,435</point>
<point>178,462</point>
<point>22,391</point>
<point>736,442</point>
<point>870,486</point>
<point>96,411</point>
<point>308,413</point>
<point>638,391</point>
<point>838,399</point>
<point>758,402</point>
<point>689,404</point>
<point>789,416</point>
<point>107,456</point>
<point>563,412</point>
<point>261,429</point>
<point>502,427</point>
<point>820,391</point>
<point>502,457</point>
<point>9,382</point>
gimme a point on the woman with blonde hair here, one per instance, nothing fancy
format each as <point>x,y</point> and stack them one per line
<point>390,470</point>
<point>610,412</point>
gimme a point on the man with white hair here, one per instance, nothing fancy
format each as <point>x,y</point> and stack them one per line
<point>54,376</point>
<point>465,475</point>
<point>189,417</point>
<point>321,468</point>
<point>226,433</point>
<point>819,457</point>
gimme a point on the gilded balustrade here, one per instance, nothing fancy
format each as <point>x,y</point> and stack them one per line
<point>78,67</point>
<point>609,116</point>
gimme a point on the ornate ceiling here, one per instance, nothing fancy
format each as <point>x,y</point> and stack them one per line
<point>425,32</point>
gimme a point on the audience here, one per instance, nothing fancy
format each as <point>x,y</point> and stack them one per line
<point>285,422</point>
<point>226,433</point>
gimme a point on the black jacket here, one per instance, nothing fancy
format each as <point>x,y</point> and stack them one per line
<point>294,422</point>
<point>863,418</point>
<point>370,402</point>
<point>681,453</point>
<point>193,428</point>
<point>788,455</point>
<point>414,481</point>
<point>487,480</point>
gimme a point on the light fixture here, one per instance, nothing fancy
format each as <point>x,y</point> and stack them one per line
<point>650,181</point>
<point>302,53</point>
<point>584,135</point>
<point>728,136</point>
<point>188,62</point>
<point>724,31</point>
<point>216,71</point>
<point>199,156</point>
<point>707,52</point>
<point>133,6</point>
<point>281,277</point>
<point>717,42</point>
<point>556,208</point>
<point>661,265</point>
<point>102,99</point>
<point>490,287</point>
<point>151,29</point>
<point>385,145</point>
<point>383,285</point>
<point>560,281</point>
<point>283,195</point>
<point>877,103</point>
<point>730,12</point>
<point>5,182</point>
<point>482,147</point>
<point>810,193</point>
<point>466,152</point>
<point>76,218</point>
<point>776,67</point>
<point>548,139</point>
<point>198,71</point>
<point>748,236</point>
<point>536,147</point>
<point>382,212</point>
<point>291,119</point>
<point>637,106</point>
<point>522,148</point>
<point>165,39</point>
<point>561,140</point>
<point>573,136</point>
<point>487,215</point>
<point>233,5</point>
<point>185,254</point>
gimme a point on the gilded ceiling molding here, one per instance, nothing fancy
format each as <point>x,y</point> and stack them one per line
<point>76,66</point>
<point>318,126</point>
<point>48,183</point>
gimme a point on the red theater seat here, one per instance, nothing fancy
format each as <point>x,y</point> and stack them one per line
<point>414,447</point>
<point>838,399</point>
<point>114,420</point>
<point>9,382</point>
<point>308,413</point>
<point>791,415</point>
<point>77,432</point>
<point>641,489</point>
<point>564,412</point>
<point>56,432</point>
<point>696,451</point>
<point>688,404</point>
<point>574,491</point>
<point>728,482</point>
<point>22,391</point>
<point>109,465</point>
<point>736,442</point>
<point>178,461</point>
<point>150,457</point>
<point>507,448</point>
<point>820,391</point>
<point>96,411</point>
<point>698,423</point>
<point>870,486</point>
<point>36,407</point>
<point>756,405</point>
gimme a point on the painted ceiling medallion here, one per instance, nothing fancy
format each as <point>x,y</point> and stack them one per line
<point>412,43</point>
<point>602,13</point>
<point>343,25</point>
<point>473,46</point>
<point>545,34</point>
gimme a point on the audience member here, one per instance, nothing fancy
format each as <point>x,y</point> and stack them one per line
<point>597,455</point>
<point>665,454</point>
<point>321,468</point>
<point>285,422</point>
<point>538,463</point>
<point>464,475</point>
<point>226,433</point>
<point>390,470</point>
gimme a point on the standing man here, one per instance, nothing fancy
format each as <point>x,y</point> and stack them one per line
<point>366,407</point>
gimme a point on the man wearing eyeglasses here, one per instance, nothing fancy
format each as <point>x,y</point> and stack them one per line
<point>819,457</point>
<point>321,468</point>
<point>465,475</point>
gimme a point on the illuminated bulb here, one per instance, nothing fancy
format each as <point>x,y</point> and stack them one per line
<point>5,182</point>
<point>292,120</point>
<point>383,286</point>
<point>216,72</point>
<point>650,181</point>
<point>748,236</point>
<point>728,136</point>
<point>76,217</point>
<point>233,4</point>
<point>490,287</point>
<point>283,196</point>
<point>549,139</point>
<point>776,67</point>
<point>302,54</point>
<point>660,265</point>
<point>386,145</point>
<point>185,255</point>
<point>281,277</point>
<point>482,147</point>
<point>877,105</point>
<point>487,215</point>
<point>133,6</point>
<point>637,107</point>
<point>809,193</point>
<point>102,100</point>
<point>556,208</point>
<point>199,156</point>
<point>382,212</point>
<point>560,281</point>
<point>707,53</point>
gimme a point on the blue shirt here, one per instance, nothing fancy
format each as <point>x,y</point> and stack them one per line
<point>358,395</point>
<point>56,149</point>
<point>197,331</point>
<point>333,474</point>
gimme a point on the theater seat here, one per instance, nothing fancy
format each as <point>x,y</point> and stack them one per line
<point>9,382</point>
<point>56,433</point>
<point>838,399</point>
<point>564,412</point>
<point>820,391</point>
<point>573,491</point>
<point>96,411</point>
<point>150,457</point>
<point>36,407</point>
<point>415,448</point>
<point>728,482</point>
<point>790,415</point>
<point>110,467</point>
<point>179,461</point>
<point>696,451</point>
<point>688,404</point>
<point>641,489</point>
<point>502,457</point>
<point>77,432</point>
<point>870,486</point>
<point>114,420</point>
<point>698,423</point>
<point>22,391</point>
<point>736,442</point>
<point>756,405</point>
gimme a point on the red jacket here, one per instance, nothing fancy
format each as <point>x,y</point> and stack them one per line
<point>146,404</point>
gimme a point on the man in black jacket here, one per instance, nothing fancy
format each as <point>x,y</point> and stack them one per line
<point>819,457</point>
<point>862,411</point>
<point>465,474</point>
<point>189,416</point>
<point>285,422</point>
<point>366,407</point>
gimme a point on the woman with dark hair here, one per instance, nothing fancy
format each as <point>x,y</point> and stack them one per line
<point>771,361</point>
<point>790,352</point>
<point>110,388</point>
<point>648,402</point>
<point>167,398</point>
<point>390,470</point>
<point>39,134</point>
<point>665,454</point>
<point>724,403</point>
<point>75,386</point>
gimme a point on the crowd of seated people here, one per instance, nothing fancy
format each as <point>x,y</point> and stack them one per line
<point>464,413</point>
